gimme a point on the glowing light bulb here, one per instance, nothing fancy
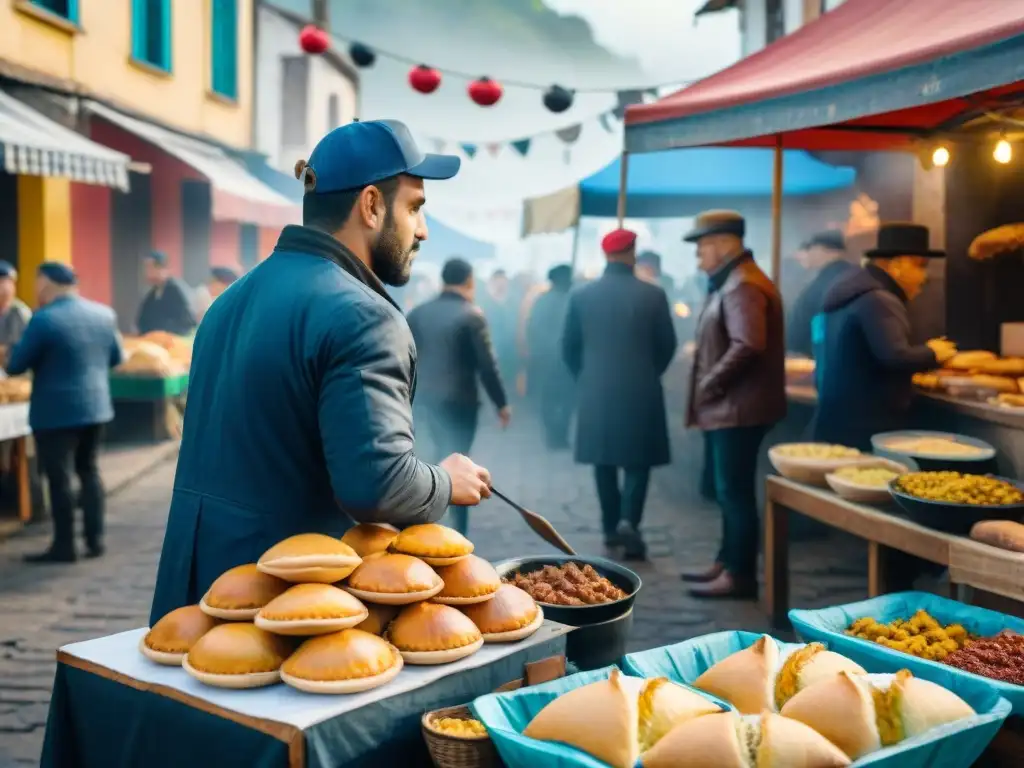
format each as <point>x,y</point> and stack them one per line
<point>1003,152</point>
<point>940,157</point>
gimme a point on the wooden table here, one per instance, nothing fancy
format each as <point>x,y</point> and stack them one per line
<point>970,563</point>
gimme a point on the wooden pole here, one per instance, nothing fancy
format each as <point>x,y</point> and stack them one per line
<point>623,182</point>
<point>575,243</point>
<point>777,212</point>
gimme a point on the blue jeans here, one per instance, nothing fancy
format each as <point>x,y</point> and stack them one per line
<point>732,456</point>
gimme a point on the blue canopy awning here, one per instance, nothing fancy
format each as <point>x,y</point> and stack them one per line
<point>682,183</point>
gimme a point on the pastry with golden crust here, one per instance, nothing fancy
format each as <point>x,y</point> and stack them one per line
<point>471,580</point>
<point>309,557</point>
<point>430,633</point>
<point>173,636</point>
<point>349,661</point>
<point>368,538</point>
<point>394,580</point>
<point>240,592</point>
<point>434,544</point>
<point>378,618</point>
<point>311,609</point>
<point>237,656</point>
<point>511,615</point>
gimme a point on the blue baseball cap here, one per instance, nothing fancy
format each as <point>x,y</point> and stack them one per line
<point>7,269</point>
<point>358,154</point>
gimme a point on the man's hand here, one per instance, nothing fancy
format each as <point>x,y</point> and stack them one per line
<point>505,416</point>
<point>470,483</point>
<point>943,348</point>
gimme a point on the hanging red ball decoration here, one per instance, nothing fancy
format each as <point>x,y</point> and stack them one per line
<point>424,79</point>
<point>485,92</point>
<point>362,56</point>
<point>557,99</point>
<point>314,40</point>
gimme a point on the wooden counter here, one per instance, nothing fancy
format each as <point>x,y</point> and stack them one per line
<point>970,563</point>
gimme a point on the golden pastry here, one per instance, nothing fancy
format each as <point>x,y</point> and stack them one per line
<point>309,557</point>
<point>471,580</point>
<point>237,656</point>
<point>394,580</point>
<point>511,615</point>
<point>368,538</point>
<point>240,592</point>
<point>434,544</point>
<point>169,641</point>
<point>378,618</point>
<point>349,661</point>
<point>429,633</point>
<point>969,361</point>
<point>311,609</point>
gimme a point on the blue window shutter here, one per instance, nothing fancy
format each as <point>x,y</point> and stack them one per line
<point>165,18</point>
<point>224,53</point>
<point>139,30</point>
<point>73,11</point>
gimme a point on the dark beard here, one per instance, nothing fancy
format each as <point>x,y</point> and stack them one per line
<point>390,262</point>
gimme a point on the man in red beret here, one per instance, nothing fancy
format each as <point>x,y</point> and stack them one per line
<point>619,339</point>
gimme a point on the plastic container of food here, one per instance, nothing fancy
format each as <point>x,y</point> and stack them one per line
<point>950,517</point>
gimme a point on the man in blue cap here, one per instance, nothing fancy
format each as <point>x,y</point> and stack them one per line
<point>299,413</point>
<point>14,313</point>
<point>69,346</point>
<point>167,306</point>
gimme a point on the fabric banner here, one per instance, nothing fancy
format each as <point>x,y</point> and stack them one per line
<point>552,213</point>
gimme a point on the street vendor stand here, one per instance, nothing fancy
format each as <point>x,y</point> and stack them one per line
<point>14,429</point>
<point>145,407</point>
<point>111,706</point>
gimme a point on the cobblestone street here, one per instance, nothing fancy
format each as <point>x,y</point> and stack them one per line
<point>42,608</point>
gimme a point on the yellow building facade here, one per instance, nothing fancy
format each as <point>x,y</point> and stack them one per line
<point>90,47</point>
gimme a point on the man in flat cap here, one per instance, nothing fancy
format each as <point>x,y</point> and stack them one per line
<point>548,376</point>
<point>168,305</point>
<point>299,413</point>
<point>220,279</point>
<point>824,255</point>
<point>618,342</point>
<point>14,313</point>
<point>69,346</point>
<point>737,392</point>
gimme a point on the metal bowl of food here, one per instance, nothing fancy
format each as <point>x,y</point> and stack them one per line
<point>576,615</point>
<point>951,516</point>
<point>936,450</point>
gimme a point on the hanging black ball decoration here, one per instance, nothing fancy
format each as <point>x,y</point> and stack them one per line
<point>362,55</point>
<point>557,99</point>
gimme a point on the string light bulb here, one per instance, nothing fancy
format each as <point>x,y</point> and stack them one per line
<point>940,157</point>
<point>1003,152</point>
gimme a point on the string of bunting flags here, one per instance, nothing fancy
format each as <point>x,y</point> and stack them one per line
<point>608,121</point>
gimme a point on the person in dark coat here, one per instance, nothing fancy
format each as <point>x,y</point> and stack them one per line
<point>556,390</point>
<point>167,306</point>
<point>69,346</point>
<point>825,256</point>
<point>865,358</point>
<point>501,309</point>
<point>737,392</point>
<point>454,348</point>
<point>14,313</point>
<point>299,413</point>
<point>618,342</point>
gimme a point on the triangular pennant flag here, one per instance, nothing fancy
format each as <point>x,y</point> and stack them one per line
<point>493,149</point>
<point>619,111</point>
<point>605,121</point>
<point>440,145</point>
<point>469,149</point>
<point>570,133</point>
<point>522,146</point>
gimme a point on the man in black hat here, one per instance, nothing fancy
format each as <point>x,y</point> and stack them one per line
<point>824,254</point>
<point>737,392</point>
<point>548,372</point>
<point>69,346</point>
<point>167,306</point>
<point>454,351</point>
<point>862,342</point>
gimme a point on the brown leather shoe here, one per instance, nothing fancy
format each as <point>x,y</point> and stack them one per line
<point>725,587</point>
<point>703,577</point>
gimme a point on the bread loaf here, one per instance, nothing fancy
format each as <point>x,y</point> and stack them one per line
<point>1004,534</point>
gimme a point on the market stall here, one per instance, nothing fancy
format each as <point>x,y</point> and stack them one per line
<point>149,388</point>
<point>14,440</point>
<point>330,652</point>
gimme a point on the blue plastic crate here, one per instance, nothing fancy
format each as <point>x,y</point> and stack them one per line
<point>828,625</point>
<point>956,745</point>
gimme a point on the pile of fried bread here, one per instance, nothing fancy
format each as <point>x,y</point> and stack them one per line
<point>977,373</point>
<point>156,354</point>
<point>335,616</point>
<point>807,707</point>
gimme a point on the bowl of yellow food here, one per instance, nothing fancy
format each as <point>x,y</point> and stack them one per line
<point>866,483</point>
<point>936,450</point>
<point>954,501</point>
<point>811,462</point>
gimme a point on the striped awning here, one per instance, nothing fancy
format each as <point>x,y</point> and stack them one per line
<point>34,145</point>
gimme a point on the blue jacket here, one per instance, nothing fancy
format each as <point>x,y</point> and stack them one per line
<point>69,345</point>
<point>299,417</point>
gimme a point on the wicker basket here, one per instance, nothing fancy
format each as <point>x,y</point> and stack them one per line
<point>449,751</point>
